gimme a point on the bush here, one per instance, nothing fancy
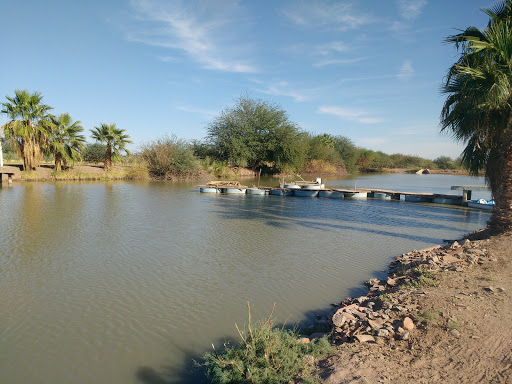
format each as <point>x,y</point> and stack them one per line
<point>265,355</point>
<point>94,153</point>
<point>169,157</point>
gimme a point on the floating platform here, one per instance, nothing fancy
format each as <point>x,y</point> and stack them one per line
<point>316,190</point>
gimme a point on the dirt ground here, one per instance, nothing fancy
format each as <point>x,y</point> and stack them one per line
<point>469,340</point>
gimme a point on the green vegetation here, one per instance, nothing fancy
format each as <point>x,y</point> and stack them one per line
<point>115,141</point>
<point>65,139</point>
<point>478,107</point>
<point>254,132</point>
<point>422,278</point>
<point>428,317</point>
<point>266,354</point>
<point>24,131</point>
<point>169,157</point>
<point>94,153</point>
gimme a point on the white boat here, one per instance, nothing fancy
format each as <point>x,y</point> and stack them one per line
<point>303,192</point>
<point>281,192</point>
<point>233,190</point>
<point>383,196</point>
<point>330,194</point>
<point>355,195</point>
<point>291,186</point>
<point>481,204</point>
<point>207,189</point>
<point>256,191</point>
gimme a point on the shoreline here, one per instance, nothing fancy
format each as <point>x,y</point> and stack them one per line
<point>384,335</point>
<point>119,172</point>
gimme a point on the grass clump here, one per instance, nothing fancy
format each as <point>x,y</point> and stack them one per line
<point>265,354</point>
<point>428,317</point>
<point>422,278</point>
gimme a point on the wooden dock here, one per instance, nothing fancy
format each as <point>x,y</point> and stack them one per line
<point>8,173</point>
<point>425,197</point>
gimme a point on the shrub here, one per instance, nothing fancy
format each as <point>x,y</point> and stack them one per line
<point>266,354</point>
<point>94,153</point>
<point>169,157</point>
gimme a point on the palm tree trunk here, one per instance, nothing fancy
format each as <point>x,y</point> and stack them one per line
<point>501,185</point>
<point>58,162</point>
<point>108,158</point>
<point>27,155</point>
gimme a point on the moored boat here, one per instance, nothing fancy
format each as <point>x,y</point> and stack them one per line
<point>303,192</point>
<point>330,194</point>
<point>256,191</point>
<point>281,192</point>
<point>481,204</point>
<point>355,195</point>
<point>207,189</point>
<point>383,196</point>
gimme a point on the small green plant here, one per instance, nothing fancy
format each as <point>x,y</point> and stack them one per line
<point>428,317</point>
<point>422,278</point>
<point>452,324</point>
<point>265,354</point>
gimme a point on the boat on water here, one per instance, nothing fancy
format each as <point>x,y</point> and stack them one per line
<point>303,192</point>
<point>257,191</point>
<point>481,204</point>
<point>330,194</point>
<point>355,195</point>
<point>303,184</point>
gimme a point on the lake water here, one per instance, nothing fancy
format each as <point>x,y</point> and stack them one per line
<point>126,282</point>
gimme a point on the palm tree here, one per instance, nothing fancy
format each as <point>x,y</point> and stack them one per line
<point>65,140</point>
<point>115,140</point>
<point>24,131</point>
<point>478,107</point>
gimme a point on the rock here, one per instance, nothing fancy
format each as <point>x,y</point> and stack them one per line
<point>391,282</point>
<point>383,333</point>
<point>400,330</point>
<point>489,289</point>
<point>407,324</point>
<point>365,338</point>
<point>304,340</point>
<point>501,289</point>
<point>455,333</point>
<point>338,319</point>
<point>454,245</point>
<point>405,336</point>
<point>376,324</point>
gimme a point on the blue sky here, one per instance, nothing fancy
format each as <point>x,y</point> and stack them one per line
<point>369,70</point>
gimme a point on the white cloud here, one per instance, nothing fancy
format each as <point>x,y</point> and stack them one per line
<point>205,112</point>
<point>411,9</point>
<point>334,46</point>
<point>357,115</point>
<point>193,30</point>
<point>406,71</point>
<point>336,15</point>
<point>324,63</point>
<point>283,89</point>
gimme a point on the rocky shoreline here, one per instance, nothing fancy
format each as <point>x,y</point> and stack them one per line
<point>401,312</point>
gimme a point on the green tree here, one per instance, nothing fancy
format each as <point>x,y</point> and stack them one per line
<point>347,151</point>
<point>445,162</point>
<point>115,141</point>
<point>65,140</point>
<point>24,131</point>
<point>253,132</point>
<point>94,153</point>
<point>478,107</point>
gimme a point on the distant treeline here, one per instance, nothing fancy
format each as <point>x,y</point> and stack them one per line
<point>253,134</point>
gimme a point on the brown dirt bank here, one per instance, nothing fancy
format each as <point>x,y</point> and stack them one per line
<point>465,335</point>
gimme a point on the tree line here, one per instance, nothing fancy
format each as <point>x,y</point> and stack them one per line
<point>34,132</point>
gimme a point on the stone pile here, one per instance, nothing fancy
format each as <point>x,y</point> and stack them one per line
<point>388,311</point>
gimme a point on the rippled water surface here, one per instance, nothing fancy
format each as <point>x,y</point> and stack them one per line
<point>126,282</point>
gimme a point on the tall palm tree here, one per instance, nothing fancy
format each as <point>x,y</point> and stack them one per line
<point>23,131</point>
<point>65,140</point>
<point>478,107</point>
<point>115,140</point>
